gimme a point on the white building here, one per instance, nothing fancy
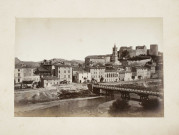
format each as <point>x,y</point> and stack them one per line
<point>111,76</point>
<point>63,72</point>
<point>128,76</point>
<point>49,81</point>
<point>97,73</point>
<point>83,77</point>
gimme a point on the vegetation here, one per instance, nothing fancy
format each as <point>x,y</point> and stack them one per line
<point>125,54</point>
<point>151,104</point>
<point>139,58</point>
<point>119,106</point>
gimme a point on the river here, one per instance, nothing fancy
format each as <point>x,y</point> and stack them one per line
<point>84,107</point>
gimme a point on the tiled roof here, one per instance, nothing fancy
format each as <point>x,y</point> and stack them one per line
<point>111,70</point>
<point>60,65</point>
<point>50,78</point>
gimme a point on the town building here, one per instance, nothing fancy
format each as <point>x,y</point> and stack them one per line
<point>125,76</point>
<point>141,50</point>
<point>111,76</point>
<point>92,60</point>
<point>41,71</point>
<point>63,72</point>
<point>121,75</point>
<point>83,77</point>
<point>143,72</point>
<point>153,50</point>
<point>47,64</point>
<point>49,81</point>
<point>24,74</point>
<point>128,76</point>
<point>97,73</point>
<point>75,70</point>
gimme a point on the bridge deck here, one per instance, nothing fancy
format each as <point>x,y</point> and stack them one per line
<point>128,90</point>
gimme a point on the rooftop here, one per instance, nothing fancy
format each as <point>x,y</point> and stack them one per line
<point>62,65</point>
<point>108,70</point>
<point>50,78</point>
<point>140,47</point>
<point>98,56</point>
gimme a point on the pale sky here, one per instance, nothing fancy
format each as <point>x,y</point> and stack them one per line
<point>38,39</point>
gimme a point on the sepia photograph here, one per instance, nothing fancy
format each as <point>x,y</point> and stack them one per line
<point>89,67</point>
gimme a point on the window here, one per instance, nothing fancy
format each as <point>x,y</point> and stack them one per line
<point>64,71</point>
<point>59,71</point>
<point>68,71</point>
<point>68,76</point>
<point>18,74</point>
<point>59,76</point>
<point>18,80</point>
<point>18,69</point>
<point>64,76</point>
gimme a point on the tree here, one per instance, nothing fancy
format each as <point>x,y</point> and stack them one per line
<point>125,54</point>
<point>133,77</point>
<point>101,79</point>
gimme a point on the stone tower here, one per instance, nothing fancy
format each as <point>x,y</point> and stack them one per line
<point>114,57</point>
<point>153,49</point>
<point>114,54</point>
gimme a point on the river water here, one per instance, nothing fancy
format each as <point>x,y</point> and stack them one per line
<point>82,107</point>
<point>89,107</point>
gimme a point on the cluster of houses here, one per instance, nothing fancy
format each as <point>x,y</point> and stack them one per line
<point>123,65</point>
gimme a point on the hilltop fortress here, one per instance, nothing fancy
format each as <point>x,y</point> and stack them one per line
<point>140,55</point>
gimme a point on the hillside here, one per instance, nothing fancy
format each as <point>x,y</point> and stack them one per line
<point>32,64</point>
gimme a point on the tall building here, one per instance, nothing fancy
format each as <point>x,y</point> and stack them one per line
<point>23,74</point>
<point>63,72</point>
<point>153,49</point>
<point>97,73</point>
<point>114,56</point>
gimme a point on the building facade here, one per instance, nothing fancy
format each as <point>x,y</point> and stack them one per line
<point>143,73</point>
<point>95,59</point>
<point>97,73</point>
<point>21,74</point>
<point>141,50</point>
<point>83,77</point>
<point>47,64</point>
<point>127,76</point>
<point>64,72</point>
<point>153,50</point>
<point>49,81</point>
<point>111,76</point>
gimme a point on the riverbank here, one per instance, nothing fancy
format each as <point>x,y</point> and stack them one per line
<point>32,96</point>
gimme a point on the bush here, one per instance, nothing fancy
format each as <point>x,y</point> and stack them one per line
<point>151,104</point>
<point>119,106</point>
